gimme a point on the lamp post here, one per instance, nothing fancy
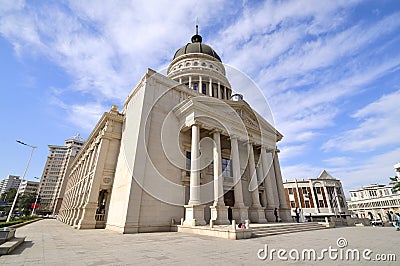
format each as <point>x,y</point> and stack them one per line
<point>37,196</point>
<point>23,176</point>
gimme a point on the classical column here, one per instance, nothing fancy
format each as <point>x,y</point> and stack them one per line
<point>314,196</point>
<point>337,199</point>
<point>257,214</point>
<point>194,211</point>
<point>239,211</point>
<point>200,85</point>
<point>225,95</point>
<point>180,80</point>
<point>194,165</point>
<point>219,90</point>
<point>88,217</point>
<point>219,212</point>
<point>328,200</point>
<point>210,88</point>
<point>284,210</point>
<point>190,81</point>
<point>267,169</point>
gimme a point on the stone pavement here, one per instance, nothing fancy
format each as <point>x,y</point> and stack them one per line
<point>50,242</point>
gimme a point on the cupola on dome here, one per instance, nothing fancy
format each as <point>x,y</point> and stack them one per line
<point>196,46</point>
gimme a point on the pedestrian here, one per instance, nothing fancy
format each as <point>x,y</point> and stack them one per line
<point>395,220</point>
<point>276,215</point>
<point>301,216</point>
<point>297,215</point>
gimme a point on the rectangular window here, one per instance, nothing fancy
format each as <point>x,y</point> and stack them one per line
<point>290,190</point>
<point>292,204</point>
<point>304,191</point>
<point>226,167</point>
<point>318,189</point>
<point>188,163</point>
<point>307,203</point>
<point>321,203</point>
<point>203,88</point>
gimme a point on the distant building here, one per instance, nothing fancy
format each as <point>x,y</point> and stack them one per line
<point>11,181</point>
<point>375,201</point>
<point>319,197</point>
<point>52,185</point>
<point>28,187</point>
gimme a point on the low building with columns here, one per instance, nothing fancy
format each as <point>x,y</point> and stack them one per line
<point>318,197</point>
<point>183,146</point>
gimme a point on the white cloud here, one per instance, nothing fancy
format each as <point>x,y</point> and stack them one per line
<point>376,169</point>
<point>378,127</point>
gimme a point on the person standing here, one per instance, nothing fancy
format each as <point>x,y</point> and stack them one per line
<point>301,216</point>
<point>395,220</point>
<point>296,211</point>
<point>276,215</point>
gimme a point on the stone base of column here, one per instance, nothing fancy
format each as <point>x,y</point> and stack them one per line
<point>269,214</point>
<point>194,215</point>
<point>257,215</point>
<point>88,220</point>
<point>240,213</point>
<point>285,215</point>
<point>219,215</point>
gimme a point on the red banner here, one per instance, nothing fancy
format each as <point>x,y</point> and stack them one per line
<point>34,206</point>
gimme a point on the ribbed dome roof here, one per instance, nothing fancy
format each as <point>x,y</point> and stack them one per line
<point>196,46</point>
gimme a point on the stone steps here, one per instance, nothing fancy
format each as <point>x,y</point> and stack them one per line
<point>10,245</point>
<point>262,231</point>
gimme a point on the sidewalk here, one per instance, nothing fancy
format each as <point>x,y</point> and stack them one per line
<point>50,242</point>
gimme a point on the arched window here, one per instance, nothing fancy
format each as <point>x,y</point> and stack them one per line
<point>195,86</point>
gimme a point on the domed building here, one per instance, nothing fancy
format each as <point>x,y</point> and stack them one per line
<point>184,151</point>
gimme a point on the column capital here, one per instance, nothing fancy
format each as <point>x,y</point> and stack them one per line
<point>267,148</point>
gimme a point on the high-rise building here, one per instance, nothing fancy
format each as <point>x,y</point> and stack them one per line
<point>56,169</point>
<point>183,146</point>
<point>11,181</point>
<point>28,187</point>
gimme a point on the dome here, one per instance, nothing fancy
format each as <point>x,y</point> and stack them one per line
<point>196,46</point>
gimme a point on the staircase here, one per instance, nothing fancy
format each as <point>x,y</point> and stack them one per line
<point>286,228</point>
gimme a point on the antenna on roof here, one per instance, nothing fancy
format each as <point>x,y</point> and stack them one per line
<point>197,26</point>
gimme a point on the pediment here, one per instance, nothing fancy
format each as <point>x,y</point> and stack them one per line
<point>230,112</point>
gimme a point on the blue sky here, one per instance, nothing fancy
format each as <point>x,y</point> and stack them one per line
<point>329,70</point>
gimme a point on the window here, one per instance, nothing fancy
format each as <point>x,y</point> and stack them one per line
<point>318,189</point>
<point>307,203</point>
<point>188,160</point>
<point>203,88</point>
<point>304,191</point>
<point>226,167</point>
<point>292,204</point>
<point>321,203</point>
<point>290,190</point>
<point>195,86</point>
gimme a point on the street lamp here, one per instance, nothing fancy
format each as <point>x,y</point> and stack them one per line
<point>37,196</point>
<point>26,169</point>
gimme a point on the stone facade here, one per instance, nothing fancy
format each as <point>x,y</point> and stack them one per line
<point>181,147</point>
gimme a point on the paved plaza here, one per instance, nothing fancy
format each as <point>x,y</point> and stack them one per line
<point>50,242</point>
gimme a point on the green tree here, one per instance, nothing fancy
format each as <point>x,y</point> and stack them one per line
<point>9,195</point>
<point>25,202</point>
<point>395,181</point>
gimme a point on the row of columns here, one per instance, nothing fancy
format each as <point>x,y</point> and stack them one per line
<point>223,92</point>
<point>80,200</point>
<point>269,168</point>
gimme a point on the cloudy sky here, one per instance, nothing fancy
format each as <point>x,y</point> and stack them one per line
<point>329,70</point>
